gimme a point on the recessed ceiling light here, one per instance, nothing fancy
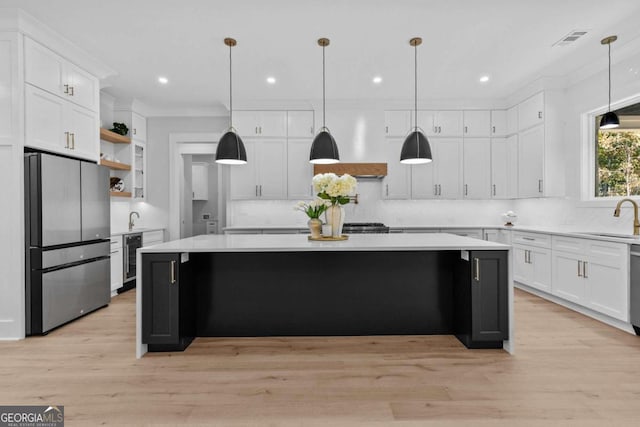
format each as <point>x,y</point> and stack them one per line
<point>271,80</point>
<point>163,80</point>
<point>484,79</point>
<point>377,80</point>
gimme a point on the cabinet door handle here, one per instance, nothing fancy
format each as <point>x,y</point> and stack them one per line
<point>466,129</point>
<point>66,89</point>
<point>439,190</point>
<point>260,130</point>
<point>435,189</point>
<point>311,130</point>
<point>66,134</point>
<point>173,272</point>
<point>126,257</point>
<point>539,186</point>
<point>386,129</point>
<point>493,129</point>
<point>466,190</point>
<point>476,275</point>
<point>539,114</point>
<point>528,238</point>
<point>494,189</point>
<point>579,268</point>
<point>73,140</point>
<point>260,190</point>
<point>256,190</point>
<point>71,90</point>
<point>584,269</point>
<point>256,132</point>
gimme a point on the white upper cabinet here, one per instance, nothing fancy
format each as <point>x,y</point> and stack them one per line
<point>54,124</point>
<point>260,123</point>
<point>300,124</point>
<point>442,178</point>
<point>531,111</point>
<point>477,168</point>
<point>265,175</point>
<point>441,123</point>
<point>477,123</point>
<point>531,163</point>
<point>49,71</point>
<point>397,123</point>
<point>200,181</point>
<point>504,162</point>
<point>136,123</point>
<point>499,123</point>
<point>397,183</point>
<point>138,127</point>
<point>299,170</point>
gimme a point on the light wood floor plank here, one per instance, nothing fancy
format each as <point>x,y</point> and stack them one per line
<point>568,370</point>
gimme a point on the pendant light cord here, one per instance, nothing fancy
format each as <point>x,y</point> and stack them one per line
<point>323,90</point>
<point>230,96</point>
<point>415,85</point>
<point>609,75</point>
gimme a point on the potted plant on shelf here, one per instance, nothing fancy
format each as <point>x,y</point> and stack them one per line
<point>337,191</point>
<point>313,210</point>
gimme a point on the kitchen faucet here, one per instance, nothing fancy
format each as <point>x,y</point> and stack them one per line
<point>138,216</point>
<point>636,223</point>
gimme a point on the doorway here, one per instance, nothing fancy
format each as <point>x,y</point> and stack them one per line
<point>183,148</point>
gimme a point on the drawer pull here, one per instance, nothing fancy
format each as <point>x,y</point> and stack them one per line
<point>528,238</point>
<point>173,272</point>
<point>476,276</point>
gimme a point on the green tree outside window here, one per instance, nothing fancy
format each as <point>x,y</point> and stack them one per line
<point>618,163</point>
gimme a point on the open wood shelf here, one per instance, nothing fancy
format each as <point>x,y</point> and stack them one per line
<point>120,193</point>
<point>107,135</point>
<point>115,165</point>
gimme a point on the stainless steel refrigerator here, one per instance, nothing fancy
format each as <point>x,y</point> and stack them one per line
<point>67,229</point>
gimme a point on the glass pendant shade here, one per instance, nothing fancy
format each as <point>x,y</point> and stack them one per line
<point>324,149</point>
<point>609,121</point>
<point>230,150</point>
<point>416,149</point>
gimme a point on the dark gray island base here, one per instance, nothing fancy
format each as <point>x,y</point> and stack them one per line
<point>324,293</point>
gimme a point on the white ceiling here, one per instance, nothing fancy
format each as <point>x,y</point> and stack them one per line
<point>462,39</point>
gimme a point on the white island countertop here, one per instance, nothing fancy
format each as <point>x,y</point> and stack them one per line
<point>300,243</point>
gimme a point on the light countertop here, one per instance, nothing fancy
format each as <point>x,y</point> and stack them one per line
<point>135,230</point>
<point>300,243</point>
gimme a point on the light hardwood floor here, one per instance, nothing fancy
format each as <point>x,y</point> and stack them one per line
<point>568,370</point>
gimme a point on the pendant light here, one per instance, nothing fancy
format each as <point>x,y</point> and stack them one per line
<point>416,149</point>
<point>324,149</point>
<point>610,119</point>
<point>230,149</point>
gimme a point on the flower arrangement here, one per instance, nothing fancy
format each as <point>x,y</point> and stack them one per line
<point>333,188</point>
<point>314,208</point>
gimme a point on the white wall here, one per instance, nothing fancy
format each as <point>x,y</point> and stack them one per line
<point>154,212</point>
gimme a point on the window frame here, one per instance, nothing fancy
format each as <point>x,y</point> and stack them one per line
<point>588,154</point>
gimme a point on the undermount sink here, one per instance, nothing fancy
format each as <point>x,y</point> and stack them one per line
<point>615,235</point>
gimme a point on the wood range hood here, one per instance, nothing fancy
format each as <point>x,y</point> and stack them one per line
<point>357,170</point>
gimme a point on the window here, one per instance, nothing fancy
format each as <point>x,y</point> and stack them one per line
<point>618,155</point>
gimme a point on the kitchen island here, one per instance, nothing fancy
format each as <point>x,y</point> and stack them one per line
<point>287,285</point>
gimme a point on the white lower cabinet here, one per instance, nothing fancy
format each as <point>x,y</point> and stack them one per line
<point>592,273</point>
<point>532,266</point>
<point>116,263</point>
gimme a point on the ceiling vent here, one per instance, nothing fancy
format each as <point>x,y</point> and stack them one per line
<point>570,38</point>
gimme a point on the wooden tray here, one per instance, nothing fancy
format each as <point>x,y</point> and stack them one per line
<point>328,239</point>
